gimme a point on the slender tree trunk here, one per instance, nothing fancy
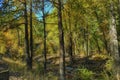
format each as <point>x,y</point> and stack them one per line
<point>18,35</point>
<point>26,37</point>
<point>99,50</point>
<point>74,41</point>
<point>87,41</point>
<point>31,36</point>
<point>71,49</point>
<point>105,42</point>
<point>97,43</point>
<point>44,24</point>
<point>84,42</point>
<point>114,44</point>
<point>119,24</point>
<point>70,40</point>
<point>66,27</point>
<point>61,40</point>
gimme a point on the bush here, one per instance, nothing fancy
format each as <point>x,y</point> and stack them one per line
<point>83,74</point>
<point>109,65</point>
<point>108,75</point>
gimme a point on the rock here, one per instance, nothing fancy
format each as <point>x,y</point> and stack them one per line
<point>69,68</point>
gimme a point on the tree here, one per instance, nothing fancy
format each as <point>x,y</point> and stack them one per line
<point>114,43</point>
<point>118,29</point>
<point>44,24</point>
<point>31,35</point>
<point>61,41</point>
<point>70,34</point>
<point>26,37</point>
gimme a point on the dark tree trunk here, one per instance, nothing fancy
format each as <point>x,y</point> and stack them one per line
<point>44,24</point>
<point>87,41</point>
<point>61,40</point>
<point>84,42</point>
<point>71,49</point>
<point>31,36</point>
<point>70,40</point>
<point>119,25</point>
<point>26,37</point>
<point>97,43</point>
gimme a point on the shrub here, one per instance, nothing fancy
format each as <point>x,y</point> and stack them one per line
<point>83,74</point>
<point>108,65</point>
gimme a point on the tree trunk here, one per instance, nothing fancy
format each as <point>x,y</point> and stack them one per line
<point>70,40</point>
<point>26,37</point>
<point>114,44</point>
<point>44,24</point>
<point>119,25</point>
<point>87,41</point>
<point>61,40</point>
<point>105,42</point>
<point>97,43</point>
<point>31,36</point>
<point>18,35</point>
<point>84,42</point>
<point>74,41</point>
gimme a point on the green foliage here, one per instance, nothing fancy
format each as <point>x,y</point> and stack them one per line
<point>83,74</point>
<point>2,49</point>
<point>107,75</point>
<point>109,65</point>
<point>39,68</point>
<point>51,76</point>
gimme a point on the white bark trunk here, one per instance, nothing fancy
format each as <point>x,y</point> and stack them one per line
<point>114,44</point>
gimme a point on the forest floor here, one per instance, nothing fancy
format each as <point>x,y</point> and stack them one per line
<point>94,63</point>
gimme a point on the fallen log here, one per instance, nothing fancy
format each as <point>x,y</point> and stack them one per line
<point>4,75</point>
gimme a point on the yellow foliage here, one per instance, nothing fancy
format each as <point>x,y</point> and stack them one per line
<point>99,57</point>
<point>109,65</point>
<point>10,61</point>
